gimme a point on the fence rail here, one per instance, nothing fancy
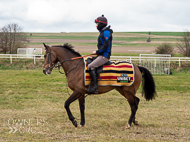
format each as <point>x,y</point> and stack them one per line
<point>153,62</point>
<point>137,58</point>
<point>117,58</point>
<point>20,56</point>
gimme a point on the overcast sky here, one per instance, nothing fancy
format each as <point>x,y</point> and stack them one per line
<point>79,15</point>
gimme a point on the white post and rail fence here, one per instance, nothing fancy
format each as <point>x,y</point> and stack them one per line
<point>156,63</point>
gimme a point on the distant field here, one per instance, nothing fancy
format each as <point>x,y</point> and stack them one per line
<point>118,36</point>
<point>123,42</point>
<point>87,35</point>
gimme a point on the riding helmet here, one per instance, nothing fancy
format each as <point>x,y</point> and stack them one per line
<point>102,22</point>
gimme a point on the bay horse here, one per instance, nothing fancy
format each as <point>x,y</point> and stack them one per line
<point>73,66</point>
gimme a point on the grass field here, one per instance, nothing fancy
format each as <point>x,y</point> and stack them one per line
<point>93,35</point>
<point>32,104</point>
<point>32,109</point>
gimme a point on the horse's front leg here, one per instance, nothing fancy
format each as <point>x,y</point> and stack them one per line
<point>75,95</point>
<point>82,108</point>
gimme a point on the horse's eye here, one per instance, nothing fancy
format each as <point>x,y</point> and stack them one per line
<point>44,56</point>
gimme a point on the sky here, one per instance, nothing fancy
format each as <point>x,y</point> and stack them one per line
<point>56,16</point>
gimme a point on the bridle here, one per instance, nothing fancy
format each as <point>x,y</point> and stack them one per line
<point>58,64</point>
<point>49,60</point>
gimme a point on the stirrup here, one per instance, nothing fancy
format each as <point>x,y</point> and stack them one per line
<point>90,91</point>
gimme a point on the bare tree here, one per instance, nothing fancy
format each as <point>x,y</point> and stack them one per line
<point>184,45</point>
<point>11,38</point>
<point>4,40</point>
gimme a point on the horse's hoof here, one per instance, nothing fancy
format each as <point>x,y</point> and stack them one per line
<point>80,126</point>
<point>75,123</point>
<point>127,126</point>
<point>136,122</point>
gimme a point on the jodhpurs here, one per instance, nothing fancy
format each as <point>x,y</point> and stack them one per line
<point>100,60</point>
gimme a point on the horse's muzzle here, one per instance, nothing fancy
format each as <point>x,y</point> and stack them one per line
<point>44,72</point>
<point>47,72</point>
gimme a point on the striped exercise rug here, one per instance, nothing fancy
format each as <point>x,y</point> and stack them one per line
<point>117,74</point>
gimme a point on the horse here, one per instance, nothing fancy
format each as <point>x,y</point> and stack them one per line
<point>73,66</point>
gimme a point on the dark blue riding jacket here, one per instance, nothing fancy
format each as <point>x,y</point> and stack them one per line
<point>105,42</point>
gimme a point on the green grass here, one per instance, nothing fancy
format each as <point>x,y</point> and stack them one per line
<point>161,33</point>
<point>66,37</point>
<point>177,82</point>
<point>131,39</point>
<point>63,35</point>
<point>20,64</point>
<point>29,95</point>
<point>121,36</point>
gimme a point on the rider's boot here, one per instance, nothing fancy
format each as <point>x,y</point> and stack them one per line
<point>94,81</point>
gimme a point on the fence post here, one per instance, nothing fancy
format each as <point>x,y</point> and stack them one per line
<point>179,63</point>
<point>34,59</point>
<point>11,59</point>
<point>169,67</point>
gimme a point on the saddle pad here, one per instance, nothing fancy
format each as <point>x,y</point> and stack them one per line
<point>117,74</point>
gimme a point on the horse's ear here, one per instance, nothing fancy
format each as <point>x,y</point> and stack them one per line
<point>46,47</point>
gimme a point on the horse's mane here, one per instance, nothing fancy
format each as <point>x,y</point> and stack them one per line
<point>69,47</point>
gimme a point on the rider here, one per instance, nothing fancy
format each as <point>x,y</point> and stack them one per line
<point>103,53</point>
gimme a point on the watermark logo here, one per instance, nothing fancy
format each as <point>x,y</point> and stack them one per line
<point>27,125</point>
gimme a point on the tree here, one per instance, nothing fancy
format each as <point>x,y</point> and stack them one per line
<point>164,48</point>
<point>4,40</point>
<point>184,45</point>
<point>11,38</point>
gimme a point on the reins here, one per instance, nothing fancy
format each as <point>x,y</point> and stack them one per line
<point>80,57</point>
<point>59,63</point>
<point>58,66</point>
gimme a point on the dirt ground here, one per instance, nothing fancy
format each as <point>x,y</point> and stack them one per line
<point>115,49</point>
<point>82,49</point>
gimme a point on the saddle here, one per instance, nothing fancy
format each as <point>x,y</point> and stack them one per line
<point>117,73</point>
<point>99,69</point>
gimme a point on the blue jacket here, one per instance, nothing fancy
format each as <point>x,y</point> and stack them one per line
<point>105,42</point>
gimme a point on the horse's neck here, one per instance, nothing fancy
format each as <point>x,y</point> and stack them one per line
<point>68,64</point>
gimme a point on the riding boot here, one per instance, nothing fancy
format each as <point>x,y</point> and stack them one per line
<point>94,81</point>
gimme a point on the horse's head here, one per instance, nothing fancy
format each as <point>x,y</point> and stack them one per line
<point>50,59</point>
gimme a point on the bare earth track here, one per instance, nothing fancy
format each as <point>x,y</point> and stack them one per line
<point>79,48</point>
<point>89,45</point>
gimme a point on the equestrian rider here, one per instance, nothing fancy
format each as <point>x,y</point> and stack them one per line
<point>103,53</point>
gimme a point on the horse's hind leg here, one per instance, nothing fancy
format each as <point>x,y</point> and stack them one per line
<point>134,106</point>
<point>133,102</point>
<point>137,100</point>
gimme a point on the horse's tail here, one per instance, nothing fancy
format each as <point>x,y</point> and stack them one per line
<point>148,85</point>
